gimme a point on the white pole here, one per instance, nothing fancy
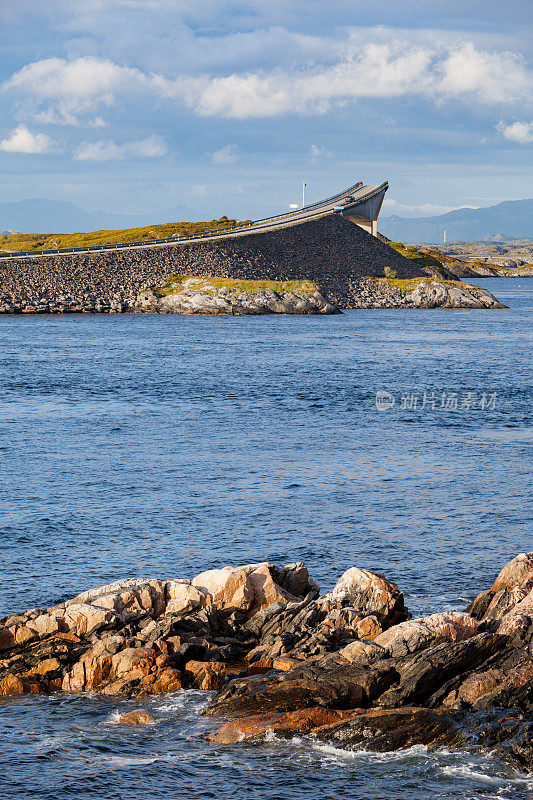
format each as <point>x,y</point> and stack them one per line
<point>303,194</point>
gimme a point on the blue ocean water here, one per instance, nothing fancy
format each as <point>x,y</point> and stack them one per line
<point>160,446</point>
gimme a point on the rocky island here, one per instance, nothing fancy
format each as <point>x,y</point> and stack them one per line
<point>319,266</point>
<point>349,667</point>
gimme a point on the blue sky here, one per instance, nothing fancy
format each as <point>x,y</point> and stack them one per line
<point>139,105</point>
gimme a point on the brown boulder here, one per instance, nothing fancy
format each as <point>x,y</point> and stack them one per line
<point>206,675</point>
<point>83,619</point>
<point>360,652</point>
<point>294,578</point>
<point>7,637</point>
<point>11,685</point>
<point>137,717</point>
<point>515,573</point>
<point>393,729</point>
<point>293,722</point>
<point>510,587</point>
<point>368,628</point>
<point>19,684</point>
<point>367,592</point>
<point>414,634</point>
<point>266,591</point>
<point>229,587</point>
<point>311,684</point>
<point>94,668</point>
<point>520,617</point>
<point>163,680</point>
<point>183,597</point>
<point>45,668</point>
<point>133,663</point>
<point>492,686</point>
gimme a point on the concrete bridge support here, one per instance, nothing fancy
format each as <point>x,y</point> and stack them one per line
<point>365,213</point>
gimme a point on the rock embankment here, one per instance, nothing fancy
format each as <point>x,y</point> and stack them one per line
<point>349,666</point>
<point>336,255</point>
<point>329,251</point>
<point>208,296</point>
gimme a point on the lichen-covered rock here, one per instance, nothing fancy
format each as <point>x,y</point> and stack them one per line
<point>129,598</point>
<point>226,300</point>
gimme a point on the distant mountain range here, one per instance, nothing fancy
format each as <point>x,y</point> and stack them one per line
<point>513,219</point>
<point>58,216</point>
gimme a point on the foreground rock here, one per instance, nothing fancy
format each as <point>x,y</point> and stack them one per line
<point>137,717</point>
<point>137,638</point>
<point>260,725</point>
<point>350,666</point>
<point>449,679</point>
<point>190,295</point>
<point>426,292</point>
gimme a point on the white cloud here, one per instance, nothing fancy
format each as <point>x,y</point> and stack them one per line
<point>521,132</point>
<point>23,140</point>
<point>226,155</point>
<point>152,147</point>
<point>68,89</point>
<point>82,78</point>
<point>499,77</point>
<point>319,151</point>
<point>374,71</point>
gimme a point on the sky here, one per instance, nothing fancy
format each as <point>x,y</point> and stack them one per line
<point>229,106</point>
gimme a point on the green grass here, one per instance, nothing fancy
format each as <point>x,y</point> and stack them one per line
<point>208,285</point>
<point>55,241</point>
<point>431,259</point>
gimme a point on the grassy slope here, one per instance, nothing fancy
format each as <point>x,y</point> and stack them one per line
<point>52,241</point>
<point>433,259</point>
<point>209,285</point>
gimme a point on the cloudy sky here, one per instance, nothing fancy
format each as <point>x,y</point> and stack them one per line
<point>227,106</point>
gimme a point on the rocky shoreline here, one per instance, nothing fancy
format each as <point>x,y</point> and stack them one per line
<point>349,667</point>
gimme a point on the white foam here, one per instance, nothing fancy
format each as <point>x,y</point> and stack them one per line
<point>369,755</point>
<point>130,761</point>
<point>467,771</point>
<point>471,772</point>
<point>113,718</point>
<point>192,699</point>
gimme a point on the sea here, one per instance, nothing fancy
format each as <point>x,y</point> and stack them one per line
<point>161,446</point>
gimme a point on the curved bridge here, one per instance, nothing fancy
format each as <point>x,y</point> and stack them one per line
<point>359,203</point>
